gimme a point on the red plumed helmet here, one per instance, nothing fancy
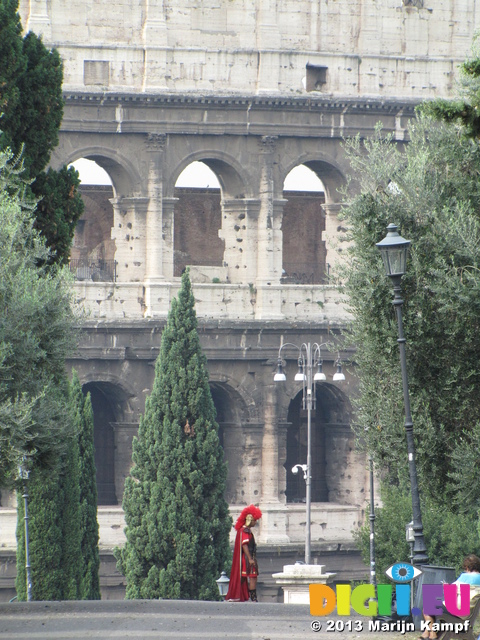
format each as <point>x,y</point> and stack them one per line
<point>251,510</point>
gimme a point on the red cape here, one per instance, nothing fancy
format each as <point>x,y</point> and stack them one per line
<point>237,589</point>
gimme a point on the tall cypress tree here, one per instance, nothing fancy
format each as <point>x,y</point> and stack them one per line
<point>45,510</point>
<point>89,588</point>
<point>63,529</point>
<point>177,519</point>
<point>54,531</point>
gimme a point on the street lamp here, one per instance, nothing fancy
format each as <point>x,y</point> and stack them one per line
<point>373,571</point>
<point>309,359</point>
<point>23,474</point>
<point>222,584</point>
<point>394,249</point>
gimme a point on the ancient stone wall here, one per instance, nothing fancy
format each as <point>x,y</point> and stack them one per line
<point>382,48</point>
<point>252,88</point>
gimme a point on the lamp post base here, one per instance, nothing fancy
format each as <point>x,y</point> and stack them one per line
<point>296,578</point>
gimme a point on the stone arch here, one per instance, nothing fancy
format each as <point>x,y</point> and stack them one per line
<point>220,252</point>
<point>328,170</point>
<point>331,437</point>
<point>232,418</point>
<point>92,254</point>
<point>126,238</point>
<point>124,174</point>
<point>234,181</point>
<point>303,245</point>
<point>318,245</point>
<point>109,404</point>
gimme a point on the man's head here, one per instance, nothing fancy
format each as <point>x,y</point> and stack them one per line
<point>248,516</point>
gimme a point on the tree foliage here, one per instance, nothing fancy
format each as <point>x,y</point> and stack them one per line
<point>450,536</point>
<point>37,334</point>
<point>31,108</point>
<point>54,531</point>
<point>89,587</point>
<point>431,189</point>
<point>63,528</point>
<point>177,519</point>
<point>464,110</point>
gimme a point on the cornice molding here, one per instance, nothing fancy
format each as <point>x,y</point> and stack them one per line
<point>311,103</point>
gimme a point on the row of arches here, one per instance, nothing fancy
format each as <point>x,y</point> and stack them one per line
<point>197,236</point>
<point>109,404</point>
<point>198,174</point>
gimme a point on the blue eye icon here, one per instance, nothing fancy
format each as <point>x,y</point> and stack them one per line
<point>403,572</point>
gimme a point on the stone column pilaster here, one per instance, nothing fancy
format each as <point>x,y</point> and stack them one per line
<point>239,233</point>
<point>268,43</point>
<point>270,245</point>
<point>38,20</point>
<point>282,458</point>
<point>252,463</point>
<point>274,520</point>
<point>155,40</point>
<point>128,231</point>
<point>333,238</point>
<point>154,242</point>
<point>168,216</point>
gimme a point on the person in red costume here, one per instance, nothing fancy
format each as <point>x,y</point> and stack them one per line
<point>243,576</point>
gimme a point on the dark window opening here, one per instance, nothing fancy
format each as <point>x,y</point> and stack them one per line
<point>297,454</point>
<point>104,440</point>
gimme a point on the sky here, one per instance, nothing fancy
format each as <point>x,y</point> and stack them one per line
<point>199,175</point>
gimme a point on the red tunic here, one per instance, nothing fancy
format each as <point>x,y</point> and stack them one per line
<point>238,587</point>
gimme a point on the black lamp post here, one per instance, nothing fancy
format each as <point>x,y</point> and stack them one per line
<point>394,251</point>
<point>24,473</point>
<point>373,571</point>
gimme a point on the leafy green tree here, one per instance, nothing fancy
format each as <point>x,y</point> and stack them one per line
<point>82,407</point>
<point>31,104</point>
<point>450,536</point>
<point>431,190</point>
<point>37,334</point>
<point>177,519</point>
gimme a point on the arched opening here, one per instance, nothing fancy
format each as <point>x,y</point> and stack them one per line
<point>93,251</point>
<point>197,219</point>
<point>304,253</point>
<point>106,400</point>
<point>230,416</point>
<point>330,427</point>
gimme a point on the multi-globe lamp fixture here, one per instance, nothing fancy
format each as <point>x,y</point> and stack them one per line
<point>309,373</point>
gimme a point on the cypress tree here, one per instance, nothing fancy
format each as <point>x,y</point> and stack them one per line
<point>54,531</point>
<point>63,527</point>
<point>72,560</point>
<point>31,107</point>
<point>89,588</point>
<point>13,61</point>
<point>45,537</point>
<point>177,519</point>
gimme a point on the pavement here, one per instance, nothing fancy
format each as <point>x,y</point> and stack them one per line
<point>176,619</point>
